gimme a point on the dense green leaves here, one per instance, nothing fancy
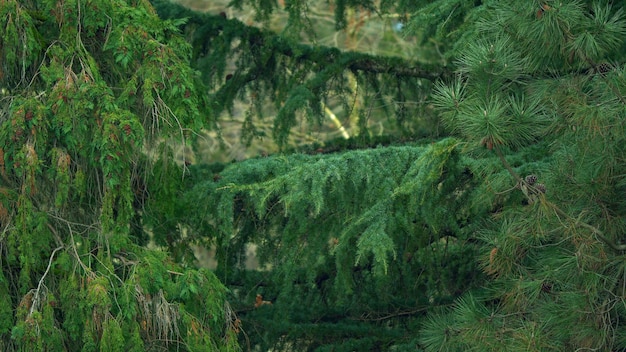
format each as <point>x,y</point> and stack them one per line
<point>89,88</point>
<point>507,236</point>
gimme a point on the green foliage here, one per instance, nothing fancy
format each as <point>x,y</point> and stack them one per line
<point>6,322</point>
<point>263,70</point>
<point>89,90</point>
<point>553,262</point>
<point>112,338</point>
<point>445,24</point>
<point>507,237</point>
<point>382,213</point>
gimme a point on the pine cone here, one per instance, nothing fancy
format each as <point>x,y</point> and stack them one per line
<point>603,68</point>
<point>531,179</point>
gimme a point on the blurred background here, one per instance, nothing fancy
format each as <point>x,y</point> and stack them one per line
<point>366,32</point>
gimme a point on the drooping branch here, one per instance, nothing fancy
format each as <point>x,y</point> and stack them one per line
<point>240,62</point>
<point>205,27</point>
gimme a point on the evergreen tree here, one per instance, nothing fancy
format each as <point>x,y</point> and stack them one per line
<point>92,92</point>
<point>504,232</point>
<point>505,235</point>
<point>550,75</point>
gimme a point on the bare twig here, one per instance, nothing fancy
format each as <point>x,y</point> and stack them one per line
<point>37,295</point>
<point>393,315</point>
<point>337,123</point>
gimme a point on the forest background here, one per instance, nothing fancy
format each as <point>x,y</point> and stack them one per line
<point>412,175</point>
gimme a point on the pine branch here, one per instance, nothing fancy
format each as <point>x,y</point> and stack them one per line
<point>616,247</point>
<point>530,191</point>
<point>517,178</point>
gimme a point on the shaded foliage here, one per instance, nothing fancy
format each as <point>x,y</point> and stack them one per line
<point>238,61</point>
<point>391,229</point>
<point>507,234</point>
<point>510,237</point>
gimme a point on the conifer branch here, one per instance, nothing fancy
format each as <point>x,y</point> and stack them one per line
<point>517,178</point>
<point>37,294</point>
<point>521,183</point>
<point>336,121</point>
<point>616,247</point>
<point>602,70</point>
<point>393,315</point>
<point>318,56</point>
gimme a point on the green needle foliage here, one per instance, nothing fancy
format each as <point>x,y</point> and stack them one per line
<point>344,238</point>
<point>507,236</point>
<point>503,233</point>
<point>91,90</point>
<point>261,68</point>
<point>545,71</point>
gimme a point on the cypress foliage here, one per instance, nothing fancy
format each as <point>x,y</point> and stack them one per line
<point>90,90</point>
